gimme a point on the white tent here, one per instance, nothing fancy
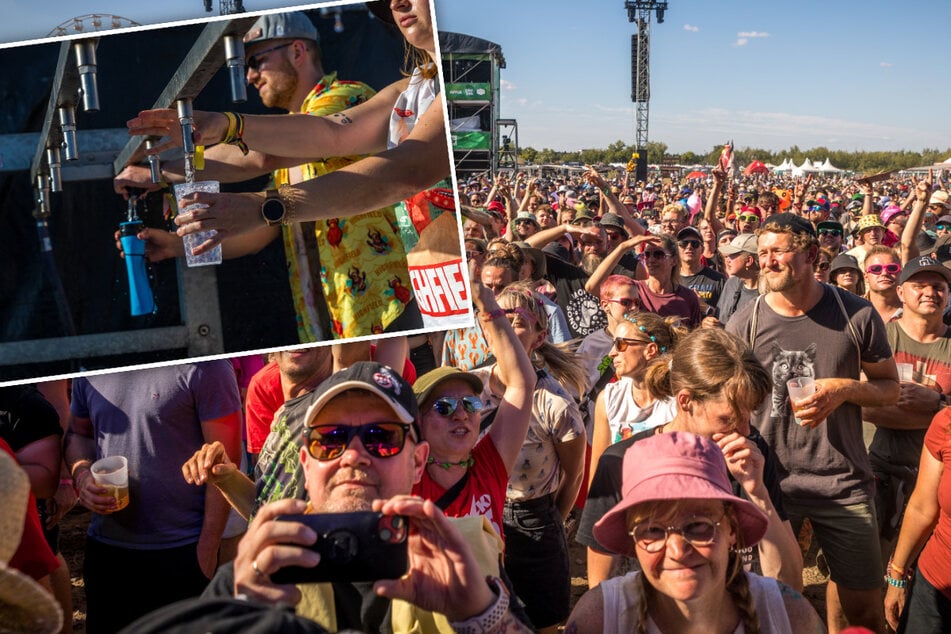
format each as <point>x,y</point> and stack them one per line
<point>828,168</point>
<point>785,166</point>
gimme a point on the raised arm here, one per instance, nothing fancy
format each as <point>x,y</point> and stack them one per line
<point>713,201</point>
<point>909,235</point>
<point>515,371</point>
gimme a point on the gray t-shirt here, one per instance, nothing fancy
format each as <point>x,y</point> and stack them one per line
<point>153,417</point>
<point>735,296</point>
<point>828,464</point>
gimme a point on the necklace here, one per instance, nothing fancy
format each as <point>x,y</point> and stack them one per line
<point>468,462</point>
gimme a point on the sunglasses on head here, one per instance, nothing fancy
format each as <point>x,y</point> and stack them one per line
<point>748,217</point>
<point>447,405</point>
<point>381,440</point>
<point>891,268</point>
<point>254,61</point>
<point>656,254</point>
<point>829,232</point>
<point>689,243</point>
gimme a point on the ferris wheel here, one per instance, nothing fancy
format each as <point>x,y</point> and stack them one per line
<point>91,23</point>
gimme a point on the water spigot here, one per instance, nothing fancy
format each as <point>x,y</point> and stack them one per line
<point>155,166</point>
<point>234,60</point>
<point>184,107</point>
<point>54,160</point>
<point>67,124</point>
<point>86,62</point>
<point>43,194</point>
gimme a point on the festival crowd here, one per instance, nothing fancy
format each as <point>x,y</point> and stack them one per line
<point>676,374</point>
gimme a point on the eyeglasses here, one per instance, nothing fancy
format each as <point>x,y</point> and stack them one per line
<point>942,227</point>
<point>891,269</point>
<point>381,440</point>
<point>524,221</point>
<point>622,343</point>
<point>472,255</point>
<point>689,243</point>
<point>626,302</point>
<point>447,405</point>
<point>824,266</point>
<point>655,254</point>
<point>699,531</point>
<point>254,61</point>
<point>748,217</point>
<point>830,232</point>
<point>815,208</point>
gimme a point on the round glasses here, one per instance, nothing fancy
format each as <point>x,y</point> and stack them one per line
<point>891,269</point>
<point>381,440</point>
<point>447,405</point>
<point>699,531</point>
<point>254,61</point>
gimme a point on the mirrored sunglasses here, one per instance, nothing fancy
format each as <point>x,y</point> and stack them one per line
<point>381,440</point>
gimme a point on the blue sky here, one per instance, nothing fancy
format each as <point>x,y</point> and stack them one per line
<point>847,74</point>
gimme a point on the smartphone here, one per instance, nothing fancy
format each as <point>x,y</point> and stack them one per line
<point>359,546</point>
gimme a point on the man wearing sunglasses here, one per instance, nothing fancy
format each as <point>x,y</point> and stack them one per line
<point>920,339</point>
<point>830,235</point>
<point>882,268</point>
<point>362,451</point>
<point>702,279</point>
<point>283,62</point>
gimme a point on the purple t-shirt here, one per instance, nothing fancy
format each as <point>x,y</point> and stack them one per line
<point>153,418</point>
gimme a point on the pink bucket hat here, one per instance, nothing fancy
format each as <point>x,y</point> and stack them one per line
<point>675,466</point>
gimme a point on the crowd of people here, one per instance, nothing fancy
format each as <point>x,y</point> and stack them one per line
<point>625,384</point>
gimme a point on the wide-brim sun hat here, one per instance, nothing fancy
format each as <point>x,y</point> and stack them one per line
<point>670,467</point>
<point>25,606</point>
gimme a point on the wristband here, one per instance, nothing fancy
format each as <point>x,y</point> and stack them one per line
<point>492,315</point>
<point>895,583</point>
<point>489,621</point>
<point>77,465</point>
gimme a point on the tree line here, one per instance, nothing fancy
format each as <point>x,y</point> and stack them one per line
<point>857,161</point>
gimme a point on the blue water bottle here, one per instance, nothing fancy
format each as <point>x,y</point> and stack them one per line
<point>140,293</point>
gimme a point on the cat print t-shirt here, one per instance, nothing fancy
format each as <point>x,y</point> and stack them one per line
<point>828,464</point>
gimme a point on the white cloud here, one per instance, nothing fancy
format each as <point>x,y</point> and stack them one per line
<point>743,37</point>
<point>885,64</point>
<point>691,28</point>
<point>507,85</point>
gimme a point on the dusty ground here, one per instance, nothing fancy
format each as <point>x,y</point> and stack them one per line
<point>74,535</point>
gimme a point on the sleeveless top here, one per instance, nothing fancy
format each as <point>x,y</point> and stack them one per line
<point>620,598</point>
<point>626,417</point>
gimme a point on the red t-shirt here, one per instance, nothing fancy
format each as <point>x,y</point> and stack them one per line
<point>484,493</point>
<point>935,560</point>
<point>33,556</point>
<point>265,396</point>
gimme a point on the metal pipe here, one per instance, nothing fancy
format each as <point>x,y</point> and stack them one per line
<point>234,59</point>
<point>43,195</point>
<point>86,62</point>
<point>67,123</point>
<point>155,165</point>
<point>184,107</point>
<point>54,160</point>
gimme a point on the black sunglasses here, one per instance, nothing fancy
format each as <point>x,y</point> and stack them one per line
<point>447,405</point>
<point>655,254</point>
<point>381,440</point>
<point>829,232</point>
<point>689,243</point>
<point>254,61</point>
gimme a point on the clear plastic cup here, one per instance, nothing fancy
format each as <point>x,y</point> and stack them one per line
<point>112,473</point>
<point>192,240</point>
<point>906,371</point>
<point>799,388</point>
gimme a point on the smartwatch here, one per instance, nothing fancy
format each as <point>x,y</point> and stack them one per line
<point>272,209</point>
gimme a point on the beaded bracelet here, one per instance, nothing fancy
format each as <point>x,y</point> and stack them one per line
<point>895,583</point>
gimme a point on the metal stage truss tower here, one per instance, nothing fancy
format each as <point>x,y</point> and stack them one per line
<point>226,7</point>
<point>639,12</point>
